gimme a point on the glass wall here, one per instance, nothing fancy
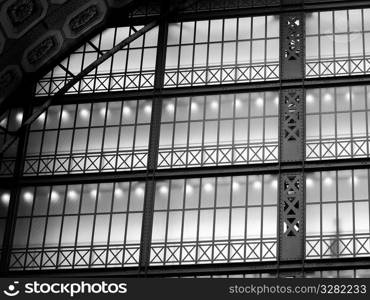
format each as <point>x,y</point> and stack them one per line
<point>131,68</point>
<point>222,51</point>
<point>99,137</point>
<point>219,130</point>
<point>337,214</point>
<point>78,226</point>
<point>215,220</point>
<point>337,123</point>
<point>9,123</point>
<point>338,43</point>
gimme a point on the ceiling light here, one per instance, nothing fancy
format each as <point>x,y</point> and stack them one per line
<point>309,182</point>
<point>126,110</point>
<point>208,187</point>
<point>139,191</point>
<point>236,186</point>
<point>93,193</point>
<point>148,109</point>
<point>328,97</point>
<point>28,197</point>
<point>310,98</point>
<point>259,102</point>
<point>189,189</point>
<point>170,108</point>
<point>84,113</point>
<point>19,117</point>
<point>103,111</point>
<point>163,189</point>
<point>65,115</point>
<point>328,181</point>
<point>118,192</point>
<point>54,197</point>
<point>348,96</point>
<point>274,184</point>
<point>5,198</point>
<point>194,106</point>
<point>72,195</point>
<point>257,185</point>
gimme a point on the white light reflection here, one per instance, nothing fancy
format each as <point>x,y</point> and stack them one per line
<point>54,197</point>
<point>309,182</point>
<point>118,192</point>
<point>189,189</point>
<point>84,113</point>
<point>28,197</point>
<point>257,185</point>
<point>259,102</point>
<point>5,199</point>
<point>208,187</point>
<point>328,181</point>
<point>139,191</point>
<point>19,117</point>
<point>72,195</point>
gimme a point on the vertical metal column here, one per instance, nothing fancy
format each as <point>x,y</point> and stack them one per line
<point>291,225</point>
<point>146,233</point>
<point>292,49</point>
<point>292,125</point>
<point>292,138</point>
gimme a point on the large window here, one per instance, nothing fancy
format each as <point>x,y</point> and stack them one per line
<point>222,51</point>
<point>337,214</point>
<point>338,43</point>
<point>219,130</point>
<point>99,137</point>
<point>337,123</point>
<point>9,122</point>
<point>215,220</point>
<point>132,68</point>
<point>78,226</point>
<point>4,204</point>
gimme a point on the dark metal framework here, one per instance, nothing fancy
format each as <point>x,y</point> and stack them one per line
<point>291,166</point>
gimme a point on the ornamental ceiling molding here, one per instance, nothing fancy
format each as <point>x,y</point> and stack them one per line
<point>44,49</point>
<point>86,17</point>
<point>19,16</point>
<point>60,23</point>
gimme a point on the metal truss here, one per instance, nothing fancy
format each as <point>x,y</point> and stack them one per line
<point>290,268</point>
<point>196,172</point>
<point>71,257</point>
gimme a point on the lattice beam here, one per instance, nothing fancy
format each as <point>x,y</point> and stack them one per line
<point>291,217</point>
<point>292,45</point>
<point>292,125</point>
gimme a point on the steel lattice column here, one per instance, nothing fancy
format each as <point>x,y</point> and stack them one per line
<point>292,138</point>
<point>292,46</point>
<point>292,129</point>
<point>291,221</point>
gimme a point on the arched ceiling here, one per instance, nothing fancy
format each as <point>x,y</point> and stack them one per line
<point>35,34</point>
